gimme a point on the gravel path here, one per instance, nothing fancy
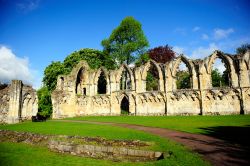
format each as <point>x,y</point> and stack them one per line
<point>216,151</point>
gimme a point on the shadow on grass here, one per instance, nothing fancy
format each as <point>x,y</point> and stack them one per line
<point>237,142</point>
<point>232,134</point>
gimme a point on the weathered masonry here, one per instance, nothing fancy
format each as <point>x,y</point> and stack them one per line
<point>17,102</point>
<point>99,92</point>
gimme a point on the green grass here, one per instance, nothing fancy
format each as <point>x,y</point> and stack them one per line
<point>22,154</point>
<point>192,124</point>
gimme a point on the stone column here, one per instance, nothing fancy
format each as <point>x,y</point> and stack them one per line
<point>14,114</point>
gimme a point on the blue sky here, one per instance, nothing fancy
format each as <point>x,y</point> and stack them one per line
<point>33,33</point>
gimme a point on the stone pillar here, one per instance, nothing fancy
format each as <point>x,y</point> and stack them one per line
<point>15,105</point>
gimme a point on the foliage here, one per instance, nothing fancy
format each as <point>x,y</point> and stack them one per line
<point>143,58</point>
<point>243,48</point>
<point>44,102</point>
<point>126,42</point>
<point>219,80</point>
<point>151,82</point>
<point>161,54</point>
<point>51,73</point>
<point>183,80</point>
<point>94,58</point>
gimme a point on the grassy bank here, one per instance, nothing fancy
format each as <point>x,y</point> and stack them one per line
<point>192,124</point>
<point>22,154</point>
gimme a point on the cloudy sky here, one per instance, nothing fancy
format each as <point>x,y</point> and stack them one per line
<point>33,33</point>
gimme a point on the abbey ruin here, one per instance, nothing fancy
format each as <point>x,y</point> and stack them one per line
<point>99,92</point>
<point>18,102</point>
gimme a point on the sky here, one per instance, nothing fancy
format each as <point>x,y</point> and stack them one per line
<point>33,33</point>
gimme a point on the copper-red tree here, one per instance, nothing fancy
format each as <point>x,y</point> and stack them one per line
<point>161,54</point>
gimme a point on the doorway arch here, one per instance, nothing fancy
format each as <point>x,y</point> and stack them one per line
<point>124,106</point>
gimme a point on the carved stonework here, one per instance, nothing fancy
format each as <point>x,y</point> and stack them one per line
<point>17,102</point>
<point>77,93</point>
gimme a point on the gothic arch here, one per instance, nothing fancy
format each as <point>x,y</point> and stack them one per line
<point>177,63</point>
<point>229,64</point>
<point>120,70</point>
<point>191,70</point>
<point>159,71</point>
<point>96,78</point>
<point>81,66</point>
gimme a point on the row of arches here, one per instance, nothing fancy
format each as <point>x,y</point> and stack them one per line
<point>217,70</point>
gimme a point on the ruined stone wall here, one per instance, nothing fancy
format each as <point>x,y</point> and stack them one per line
<point>76,94</point>
<point>17,102</point>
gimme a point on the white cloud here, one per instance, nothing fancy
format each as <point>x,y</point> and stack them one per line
<point>222,33</point>
<point>178,50</point>
<point>196,29</point>
<point>218,64</point>
<point>13,67</point>
<point>28,5</point>
<point>202,52</point>
<point>204,36</point>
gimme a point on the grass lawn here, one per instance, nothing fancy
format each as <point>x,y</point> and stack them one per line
<point>22,154</point>
<point>192,124</point>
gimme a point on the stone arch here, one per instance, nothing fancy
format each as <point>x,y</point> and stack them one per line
<point>159,71</point>
<point>191,70</point>
<point>229,64</point>
<point>26,105</point>
<point>119,75</point>
<point>61,82</point>
<point>79,80</point>
<point>124,105</point>
<point>132,101</point>
<point>99,72</point>
<point>82,65</point>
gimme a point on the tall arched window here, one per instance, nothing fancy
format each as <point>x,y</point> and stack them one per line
<point>102,84</point>
<point>79,81</point>
<point>124,106</point>
<point>125,80</point>
<point>220,74</point>
<point>183,77</point>
<point>152,79</point>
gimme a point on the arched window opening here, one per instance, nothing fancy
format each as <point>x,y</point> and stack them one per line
<point>183,77</point>
<point>102,84</point>
<point>79,81</point>
<point>125,81</point>
<point>84,91</point>
<point>124,106</point>
<point>220,74</point>
<point>152,79</point>
<point>62,82</point>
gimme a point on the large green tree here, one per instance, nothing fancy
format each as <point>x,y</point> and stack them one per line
<point>126,42</point>
<point>51,73</point>
<point>44,102</point>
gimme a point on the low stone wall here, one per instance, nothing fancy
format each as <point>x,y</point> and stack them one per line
<point>105,152</point>
<point>99,148</point>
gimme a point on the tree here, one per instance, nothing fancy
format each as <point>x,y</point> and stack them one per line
<point>94,58</point>
<point>183,80</point>
<point>161,54</point>
<point>51,73</point>
<point>218,79</point>
<point>44,102</point>
<point>126,42</point>
<point>243,48</point>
